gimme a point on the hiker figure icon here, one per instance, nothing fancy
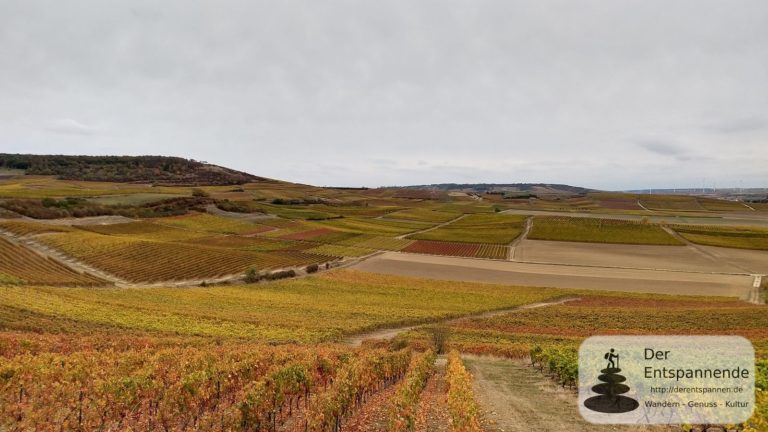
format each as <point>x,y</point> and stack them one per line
<point>611,389</point>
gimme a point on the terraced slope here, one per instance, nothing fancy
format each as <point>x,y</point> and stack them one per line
<point>19,265</point>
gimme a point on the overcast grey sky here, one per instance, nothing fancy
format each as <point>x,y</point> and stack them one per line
<point>606,94</point>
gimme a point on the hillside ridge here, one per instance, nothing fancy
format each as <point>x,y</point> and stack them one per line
<point>161,170</point>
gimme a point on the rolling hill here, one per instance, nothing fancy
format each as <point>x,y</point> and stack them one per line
<point>162,170</point>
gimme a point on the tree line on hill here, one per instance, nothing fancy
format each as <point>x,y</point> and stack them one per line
<point>160,170</point>
<point>52,208</point>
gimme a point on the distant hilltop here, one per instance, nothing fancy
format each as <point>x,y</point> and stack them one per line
<point>506,188</point>
<point>161,170</point>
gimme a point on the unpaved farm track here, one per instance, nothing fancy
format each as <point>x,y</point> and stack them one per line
<point>524,235</point>
<point>248,217</point>
<point>515,397</point>
<point>432,228</point>
<point>390,333</point>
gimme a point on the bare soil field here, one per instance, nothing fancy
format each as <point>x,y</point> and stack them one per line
<point>682,258</point>
<point>558,276</point>
<point>748,218</point>
<point>754,260</point>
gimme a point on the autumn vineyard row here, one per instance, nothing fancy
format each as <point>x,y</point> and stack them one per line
<point>406,397</point>
<point>253,388</point>
<point>463,410</point>
<point>20,265</point>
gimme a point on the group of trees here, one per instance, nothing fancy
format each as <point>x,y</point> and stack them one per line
<point>146,169</point>
<point>252,275</point>
<point>51,208</point>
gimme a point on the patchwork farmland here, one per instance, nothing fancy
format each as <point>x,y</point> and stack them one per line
<point>283,307</point>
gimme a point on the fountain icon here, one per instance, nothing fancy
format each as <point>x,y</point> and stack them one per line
<point>611,389</point>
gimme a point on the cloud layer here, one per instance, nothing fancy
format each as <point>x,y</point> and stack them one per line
<point>614,95</point>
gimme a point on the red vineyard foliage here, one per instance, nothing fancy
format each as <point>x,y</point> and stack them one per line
<point>443,248</point>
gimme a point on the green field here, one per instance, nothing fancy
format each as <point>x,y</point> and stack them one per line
<point>478,228</point>
<point>599,231</point>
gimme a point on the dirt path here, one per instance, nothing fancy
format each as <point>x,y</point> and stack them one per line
<point>389,333</point>
<point>248,217</point>
<point>755,296</point>
<point>517,398</point>
<point>432,412</point>
<point>513,246</point>
<point>644,207</point>
<point>432,228</point>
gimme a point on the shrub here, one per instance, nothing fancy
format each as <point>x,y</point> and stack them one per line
<point>251,275</point>
<point>439,336</point>
<point>6,279</point>
<point>312,268</point>
<point>562,364</point>
<point>282,274</point>
<point>234,206</point>
<point>48,202</point>
<point>199,193</point>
